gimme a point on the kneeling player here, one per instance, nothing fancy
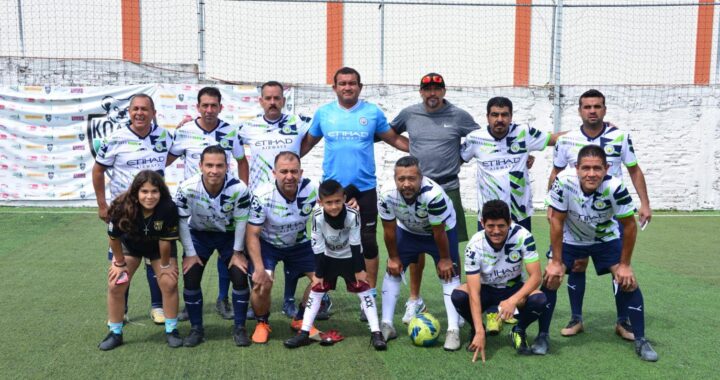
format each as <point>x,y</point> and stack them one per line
<point>213,208</point>
<point>494,260</point>
<point>336,244</point>
<point>418,217</point>
<point>587,206</point>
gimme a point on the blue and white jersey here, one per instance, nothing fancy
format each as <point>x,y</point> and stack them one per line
<point>127,154</point>
<point>616,143</point>
<point>502,171</point>
<point>190,140</point>
<point>283,221</point>
<point>431,208</point>
<point>498,267</point>
<point>331,242</point>
<point>349,135</point>
<point>590,217</point>
<point>268,138</point>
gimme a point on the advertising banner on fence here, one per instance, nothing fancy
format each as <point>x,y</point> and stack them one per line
<point>49,135</point>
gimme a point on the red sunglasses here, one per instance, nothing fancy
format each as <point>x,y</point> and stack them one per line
<point>432,79</point>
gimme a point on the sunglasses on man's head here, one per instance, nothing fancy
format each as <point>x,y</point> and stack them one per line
<point>432,79</point>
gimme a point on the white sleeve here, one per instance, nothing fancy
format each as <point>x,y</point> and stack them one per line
<point>186,238</point>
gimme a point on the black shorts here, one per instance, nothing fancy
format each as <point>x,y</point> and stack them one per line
<point>334,268</point>
<point>152,255</point>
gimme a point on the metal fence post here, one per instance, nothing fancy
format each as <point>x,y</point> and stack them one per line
<point>201,40</point>
<point>557,56</point>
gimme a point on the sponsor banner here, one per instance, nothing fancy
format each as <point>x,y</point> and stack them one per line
<point>49,135</point>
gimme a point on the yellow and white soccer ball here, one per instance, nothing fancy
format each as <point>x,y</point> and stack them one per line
<point>424,330</point>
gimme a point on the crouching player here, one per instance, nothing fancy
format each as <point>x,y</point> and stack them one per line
<point>418,217</point>
<point>336,244</point>
<point>494,261</point>
<point>213,208</point>
<point>587,206</point>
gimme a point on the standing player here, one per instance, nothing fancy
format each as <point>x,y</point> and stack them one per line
<point>588,207</point>
<point>143,222</point>
<point>435,128</point>
<point>277,232</point>
<point>336,244</point>
<point>349,126</point>
<point>189,142</point>
<point>619,150</point>
<point>213,207</point>
<point>127,151</point>
<point>266,136</point>
<point>494,261</point>
<point>418,217</point>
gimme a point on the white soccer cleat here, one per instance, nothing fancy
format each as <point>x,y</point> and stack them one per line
<point>412,308</point>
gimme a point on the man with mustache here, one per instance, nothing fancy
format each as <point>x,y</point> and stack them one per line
<point>435,128</point>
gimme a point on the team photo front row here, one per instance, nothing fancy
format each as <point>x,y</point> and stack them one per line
<point>591,215</point>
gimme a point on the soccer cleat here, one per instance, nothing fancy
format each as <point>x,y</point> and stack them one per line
<point>296,325</point>
<point>196,336</point>
<point>388,331</point>
<point>377,341</point>
<point>262,333</point>
<point>494,324</point>
<point>111,341</point>
<point>223,309</point>
<point>183,315</point>
<point>289,308</point>
<point>240,336</point>
<point>574,327</point>
<point>301,339</point>
<point>412,308</point>
<point>250,313</point>
<point>452,340</point>
<point>157,315</point>
<point>325,307</point>
<point>645,350</point>
<point>541,345</point>
<point>624,330</point>
<point>173,339</point>
<point>518,339</point>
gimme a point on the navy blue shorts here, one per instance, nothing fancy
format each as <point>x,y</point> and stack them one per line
<point>298,259</point>
<point>206,242</point>
<point>410,246</point>
<point>491,296</point>
<point>604,255</point>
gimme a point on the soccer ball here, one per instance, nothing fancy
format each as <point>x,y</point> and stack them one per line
<point>424,330</point>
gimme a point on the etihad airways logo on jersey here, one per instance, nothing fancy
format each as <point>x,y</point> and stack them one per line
<point>348,135</point>
<point>272,143</point>
<point>144,162</point>
<point>500,163</point>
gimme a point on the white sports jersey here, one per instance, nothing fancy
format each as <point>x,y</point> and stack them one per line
<point>331,242</point>
<point>284,222</point>
<point>616,144</point>
<point>266,139</point>
<point>590,216</point>
<point>190,140</point>
<point>226,212</point>
<point>497,268</point>
<point>127,154</point>
<point>431,208</point>
<point>502,171</point>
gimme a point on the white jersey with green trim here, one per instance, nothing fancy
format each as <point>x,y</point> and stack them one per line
<point>331,242</point>
<point>431,207</point>
<point>190,140</point>
<point>283,222</point>
<point>500,268</point>
<point>126,154</point>
<point>616,143</point>
<point>268,138</point>
<point>502,171</point>
<point>224,212</point>
<point>590,217</point>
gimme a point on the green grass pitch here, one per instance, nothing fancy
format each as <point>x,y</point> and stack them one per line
<point>52,292</point>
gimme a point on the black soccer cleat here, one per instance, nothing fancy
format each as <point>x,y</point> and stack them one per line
<point>299,340</point>
<point>377,341</point>
<point>111,341</point>
<point>518,339</point>
<point>196,336</point>
<point>173,339</point>
<point>240,336</point>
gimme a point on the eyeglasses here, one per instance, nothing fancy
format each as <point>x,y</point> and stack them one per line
<point>432,79</point>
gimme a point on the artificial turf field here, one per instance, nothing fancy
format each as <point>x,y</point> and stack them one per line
<point>53,308</point>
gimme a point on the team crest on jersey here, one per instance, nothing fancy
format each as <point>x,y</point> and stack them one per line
<point>513,257</point>
<point>609,149</point>
<point>306,209</point>
<point>227,207</point>
<point>363,121</point>
<point>158,224</point>
<point>225,144</point>
<point>600,204</point>
<point>421,212</point>
<point>515,147</point>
